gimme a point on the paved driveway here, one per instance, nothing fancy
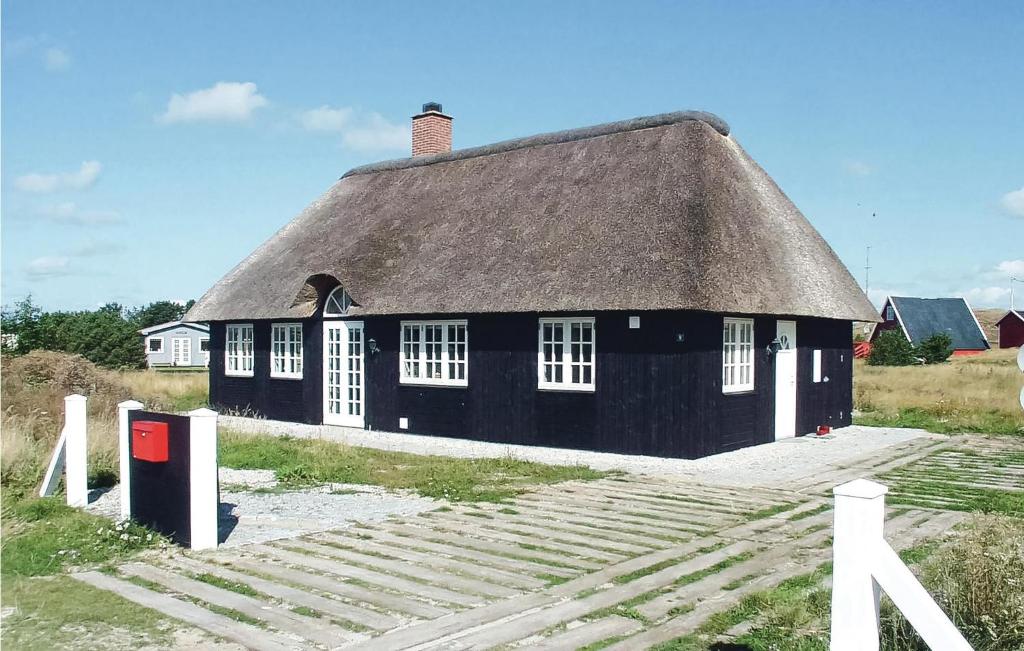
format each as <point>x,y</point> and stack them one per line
<point>626,562</point>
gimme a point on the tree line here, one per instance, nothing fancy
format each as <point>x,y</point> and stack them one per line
<point>108,336</point>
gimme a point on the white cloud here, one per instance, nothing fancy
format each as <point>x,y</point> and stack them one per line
<point>85,177</point>
<point>68,212</point>
<point>362,131</point>
<point>50,266</point>
<point>987,296</point>
<point>376,133</point>
<point>1014,268</point>
<point>858,168</point>
<point>1013,203</point>
<point>325,118</point>
<point>55,59</point>
<point>225,101</point>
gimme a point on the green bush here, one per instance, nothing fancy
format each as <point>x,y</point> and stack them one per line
<point>108,336</point>
<point>891,348</point>
<point>935,349</point>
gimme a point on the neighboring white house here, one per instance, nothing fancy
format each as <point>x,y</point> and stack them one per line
<point>177,343</point>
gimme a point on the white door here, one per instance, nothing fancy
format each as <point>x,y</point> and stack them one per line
<point>344,398</point>
<point>181,351</point>
<point>785,380</point>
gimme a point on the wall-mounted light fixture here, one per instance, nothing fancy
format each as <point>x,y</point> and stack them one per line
<point>372,345</point>
<point>774,347</point>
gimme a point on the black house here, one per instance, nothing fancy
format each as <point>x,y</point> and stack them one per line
<point>638,287</point>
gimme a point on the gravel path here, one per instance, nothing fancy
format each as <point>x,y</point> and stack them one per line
<point>255,509</point>
<point>773,464</point>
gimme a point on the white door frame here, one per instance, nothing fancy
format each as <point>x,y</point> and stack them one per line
<point>348,406</point>
<point>185,344</point>
<point>785,380</point>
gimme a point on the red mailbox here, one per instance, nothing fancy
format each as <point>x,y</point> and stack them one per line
<point>149,441</point>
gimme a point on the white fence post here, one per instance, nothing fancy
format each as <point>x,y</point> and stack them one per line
<point>203,478</point>
<point>76,451</point>
<point>124,458</point>
<point>859,521</point>
<point>863,564</point>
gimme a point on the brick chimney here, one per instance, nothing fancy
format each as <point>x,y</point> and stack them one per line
<point>431,131</point>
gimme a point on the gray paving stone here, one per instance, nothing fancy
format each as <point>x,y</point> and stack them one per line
<point>245,634</point>
<point>381,579</point>
<point>404,568</point>
<point>278,617</point>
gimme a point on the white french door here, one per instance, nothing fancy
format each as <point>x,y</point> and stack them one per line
<point>181,351</point>
<point>344,376</point>
<point>785,380</point>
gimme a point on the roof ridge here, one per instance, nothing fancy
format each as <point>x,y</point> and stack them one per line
<point>554,137</point>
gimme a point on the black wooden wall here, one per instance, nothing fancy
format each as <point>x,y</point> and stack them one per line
<point>274,398</point>
<point>654,394</point>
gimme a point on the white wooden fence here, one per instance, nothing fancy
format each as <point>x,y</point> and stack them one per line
<point>71,455</point>
<point>864,565</point>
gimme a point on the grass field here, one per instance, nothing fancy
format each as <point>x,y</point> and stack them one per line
<point>304,462</point>
<point>967,394</point>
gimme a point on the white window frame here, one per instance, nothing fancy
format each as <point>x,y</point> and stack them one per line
<point>341,298</point>
<point>410,358</point>
<point>235,347</point>
<point>890,312</point>
<point>566,362</point>
<point>816,365</point>
<point>737,355</point>
<point>159,351</point>
<point>289,337</point>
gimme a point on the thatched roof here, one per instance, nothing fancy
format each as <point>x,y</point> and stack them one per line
<point>666,212</point>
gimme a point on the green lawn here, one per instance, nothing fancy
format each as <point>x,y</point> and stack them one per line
<point>308,462</point>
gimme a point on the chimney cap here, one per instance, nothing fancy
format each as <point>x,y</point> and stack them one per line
<point>432,106</point>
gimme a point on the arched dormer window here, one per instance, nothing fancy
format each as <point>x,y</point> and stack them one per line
<point>337,302</point>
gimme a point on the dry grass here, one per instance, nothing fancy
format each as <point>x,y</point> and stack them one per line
<point>966,394</point>
<point>33,391</point>
<point>977,581</point>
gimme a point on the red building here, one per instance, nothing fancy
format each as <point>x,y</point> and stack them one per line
<point>1011,330</point>
<point>920,318</point>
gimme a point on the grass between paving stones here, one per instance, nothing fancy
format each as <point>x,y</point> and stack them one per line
<point>504,554</point>
<point>306,462</point>
<point>628,608</point>
<point>225,584</point>
<point>810,512</point>
<point>230,613</point>
<point>792,605</point>
<point>955,497</point>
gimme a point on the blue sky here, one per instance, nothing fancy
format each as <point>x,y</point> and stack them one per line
<point>148,147</point>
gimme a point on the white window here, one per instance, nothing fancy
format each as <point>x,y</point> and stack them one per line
<point>434,352</point>
<point>565,355</point>
<point>155,344</point>
<point>890,313</point>
<point>337,303</point>
<point>286,350</point>
<point>238,349</point>
<point>737,355</point>
<point>816,366</point>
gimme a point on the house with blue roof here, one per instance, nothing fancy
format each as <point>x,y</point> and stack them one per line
<point>920,318</point>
